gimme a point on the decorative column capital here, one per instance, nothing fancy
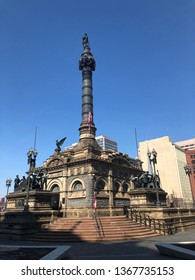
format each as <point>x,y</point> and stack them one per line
<point>86,62</point>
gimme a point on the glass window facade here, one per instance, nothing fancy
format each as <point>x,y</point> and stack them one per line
<point>106,143</point>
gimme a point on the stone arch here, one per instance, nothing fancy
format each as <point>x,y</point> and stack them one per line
<point>77,185</point>
<point>52,183</point>
<point>125,187</point>
<point>100,185</point>
<point>116,187</point>
<point>55,162</point>
<point>55,197</point>
<point>55,188</point>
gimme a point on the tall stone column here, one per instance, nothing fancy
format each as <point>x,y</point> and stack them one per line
<point>87,66</point>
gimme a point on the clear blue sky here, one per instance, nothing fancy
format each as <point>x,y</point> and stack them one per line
<point>144,79</point>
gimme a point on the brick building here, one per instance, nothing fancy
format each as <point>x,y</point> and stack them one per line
<point>189,147</point>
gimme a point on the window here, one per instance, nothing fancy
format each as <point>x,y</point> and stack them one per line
<point>77,186</point>
<point>116,187</point>
<point>100,186</point>
<point>55,188</point>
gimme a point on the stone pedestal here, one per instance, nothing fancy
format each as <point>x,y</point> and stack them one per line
<point>21,219</point>
<point>37,200</point>
<point>147,197</point>
<point>17,224</point>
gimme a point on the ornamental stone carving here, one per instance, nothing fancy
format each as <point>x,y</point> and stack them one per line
<point>55,162</point>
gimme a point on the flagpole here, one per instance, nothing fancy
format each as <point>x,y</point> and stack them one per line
<point>35,139</point>
<point>136,142</point>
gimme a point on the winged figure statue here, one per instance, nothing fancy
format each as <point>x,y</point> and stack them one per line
<point>59,144</point>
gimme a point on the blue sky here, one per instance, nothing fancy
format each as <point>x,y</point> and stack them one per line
<point>144,78</point>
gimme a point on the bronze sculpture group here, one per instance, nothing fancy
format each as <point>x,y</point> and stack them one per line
<point>146,180</point>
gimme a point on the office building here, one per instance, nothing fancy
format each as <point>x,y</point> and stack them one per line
<point>171,160</point>
<point>106,143</point>
<point>189,147</point>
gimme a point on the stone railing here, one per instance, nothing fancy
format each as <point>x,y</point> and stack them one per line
<point>162,226</point>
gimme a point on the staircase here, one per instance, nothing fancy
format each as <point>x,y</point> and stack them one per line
<point>106,229</point>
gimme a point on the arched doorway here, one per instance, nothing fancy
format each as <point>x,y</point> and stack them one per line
<point>55,198</point>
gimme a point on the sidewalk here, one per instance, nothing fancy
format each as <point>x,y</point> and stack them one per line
<point>140,249</point>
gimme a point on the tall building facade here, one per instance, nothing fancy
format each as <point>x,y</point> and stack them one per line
<point>106,143</point>
<point>189,147</point>
<point>187,144</point>
<point>171,160</point>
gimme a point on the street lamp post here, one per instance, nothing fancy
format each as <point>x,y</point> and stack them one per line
<point>153,159</point>
<point>32,154</point>
<point>8,185</point>
<point>188,171</point>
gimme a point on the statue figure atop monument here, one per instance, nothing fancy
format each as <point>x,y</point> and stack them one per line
<point>86,42</point>
<point>16,182</point>
<point>59,144</point>
<point>146,180</point>
<point>86,62</point>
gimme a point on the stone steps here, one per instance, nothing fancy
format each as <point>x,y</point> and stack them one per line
<point>115,228</point>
